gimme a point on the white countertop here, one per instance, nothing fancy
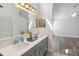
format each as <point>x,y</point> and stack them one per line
<point>14,50</point>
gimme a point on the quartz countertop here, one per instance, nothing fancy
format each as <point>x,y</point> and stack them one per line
<point>19,49</point>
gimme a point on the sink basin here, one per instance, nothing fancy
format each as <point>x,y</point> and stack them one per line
<point>33,40</point>
<point>21,46</point>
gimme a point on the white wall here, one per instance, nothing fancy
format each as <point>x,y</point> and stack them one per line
<point>64,24</point>
<point>45,12</point>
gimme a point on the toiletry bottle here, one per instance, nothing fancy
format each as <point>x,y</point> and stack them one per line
<point>21,39</point>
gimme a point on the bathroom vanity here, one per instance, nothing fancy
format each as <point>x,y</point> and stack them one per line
<point>38,47</point>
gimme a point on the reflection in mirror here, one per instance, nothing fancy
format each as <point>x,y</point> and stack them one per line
<point>40,23</point>
<point>24,15</point>
<point>5,26</point>
<point>13,21</point>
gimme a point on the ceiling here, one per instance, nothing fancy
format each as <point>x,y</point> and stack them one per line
<point>63,10</point>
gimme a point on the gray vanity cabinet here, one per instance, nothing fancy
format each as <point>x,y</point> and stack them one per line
<point>43,50</point>
<point>38,50</point>
<point>42,47</point>
<point>30,52</point>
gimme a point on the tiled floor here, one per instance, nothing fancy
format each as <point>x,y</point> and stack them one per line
<point>55,54</point>
<point>72,44</point>
<point>65,43</point>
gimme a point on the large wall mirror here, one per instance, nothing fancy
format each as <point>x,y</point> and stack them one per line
<point>13,20</point>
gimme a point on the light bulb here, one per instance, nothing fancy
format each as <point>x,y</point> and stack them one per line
<point>22,4</point>
<point>27,6</point>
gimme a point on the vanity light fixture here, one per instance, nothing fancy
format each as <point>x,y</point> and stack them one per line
<point>27,7</point>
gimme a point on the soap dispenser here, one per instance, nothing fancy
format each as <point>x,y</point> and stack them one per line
<point>21,39</point>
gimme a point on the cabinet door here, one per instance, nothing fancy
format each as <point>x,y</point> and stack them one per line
<point>41,52</point>
<point>38,52</point>
<point>34,54</point>
<point>43,48</point>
